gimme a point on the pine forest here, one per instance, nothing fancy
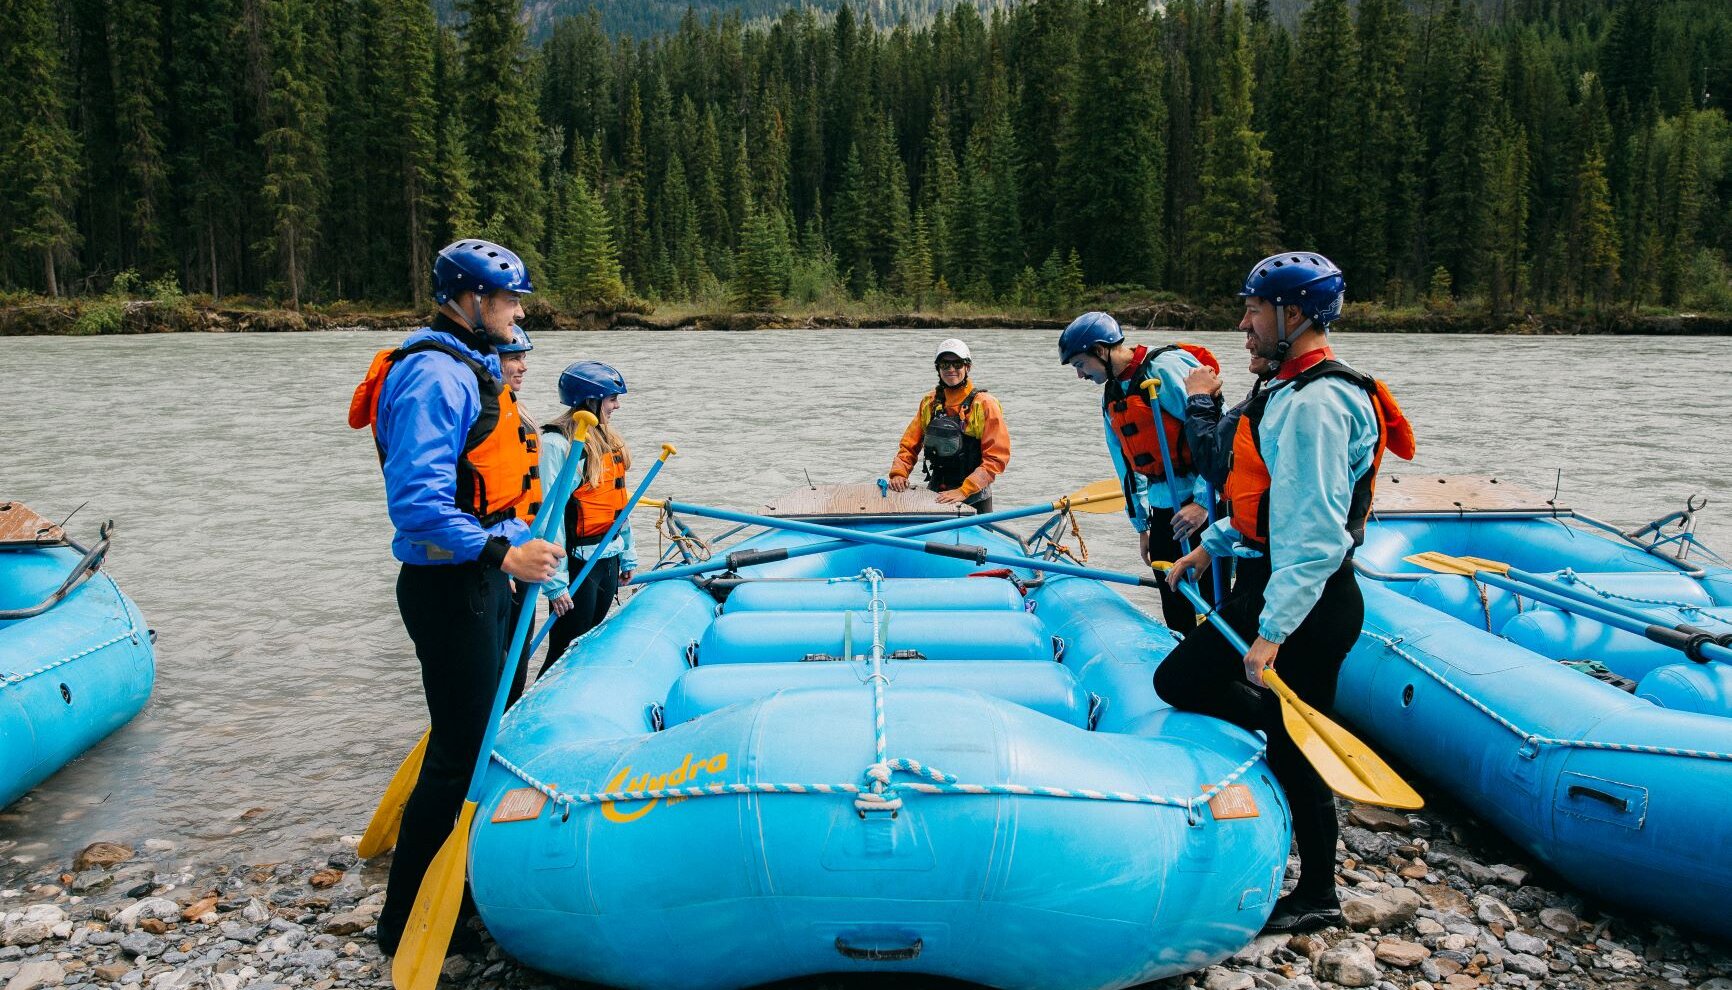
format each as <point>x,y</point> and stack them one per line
<point>1519,155</point>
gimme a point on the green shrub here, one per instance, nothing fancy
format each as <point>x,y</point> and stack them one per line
<point>99,316</point>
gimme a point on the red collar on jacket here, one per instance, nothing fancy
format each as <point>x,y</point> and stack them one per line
<point>1310,359</point>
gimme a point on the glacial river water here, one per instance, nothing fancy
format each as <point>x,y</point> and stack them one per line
<point>252,532</point>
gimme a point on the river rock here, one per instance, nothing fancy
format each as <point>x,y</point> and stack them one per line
<point>1565,923</point>
<point>1398,952</point>
<point>1384,911</point>
<point>1717,983</point>
<point>1220,978</point>
<point>1368,845</point>
<point>31,975</point>
<point>34,926</point>
<point>1442,897</point>
<point>111,972</point>
<point>199,908</point>
<point>101,855</point>
<point>1523,942</point>
<point>140,945</point>
<point>1492,911</point>
<point>348,923</point>
<point>1526,965</point>
<point>1351,964</point>
<point>1378,819</point>
<point>1509,876</point>
<point>151,907</point>
<point>325,878</point>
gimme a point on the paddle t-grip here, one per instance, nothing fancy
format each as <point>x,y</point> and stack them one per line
<point>582,421</point>
<point>668,450</point>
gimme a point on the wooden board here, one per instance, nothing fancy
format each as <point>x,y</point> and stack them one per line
<point>1415,494</point>
<point>22,526</point>
<point>861,500</point>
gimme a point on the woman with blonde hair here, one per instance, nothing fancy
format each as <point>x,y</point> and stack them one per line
<point>598,499</point>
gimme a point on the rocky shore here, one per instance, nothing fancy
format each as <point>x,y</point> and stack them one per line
<point>1431,904</point>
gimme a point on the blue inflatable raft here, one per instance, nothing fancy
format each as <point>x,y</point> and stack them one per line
<point>869,761</point>
<point>76,660</point>
<point>1605,754</point>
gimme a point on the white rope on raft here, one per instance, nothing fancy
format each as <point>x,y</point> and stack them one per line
<point>877,792</point>
<point>1393,644</point>
<point>130,633</point>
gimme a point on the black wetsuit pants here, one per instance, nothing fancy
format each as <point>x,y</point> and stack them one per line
<point>1176,609</point>
<point>456,615</point>
<point>1206,674</point>
<point>590,602</point>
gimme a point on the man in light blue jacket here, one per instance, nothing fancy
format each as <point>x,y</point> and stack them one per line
<point>1305,455</point>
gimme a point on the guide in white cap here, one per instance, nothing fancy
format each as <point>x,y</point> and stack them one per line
<point>958,435</point>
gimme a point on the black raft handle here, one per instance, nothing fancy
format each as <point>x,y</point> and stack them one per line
<point>1622,804</point>
<point>879,953</point>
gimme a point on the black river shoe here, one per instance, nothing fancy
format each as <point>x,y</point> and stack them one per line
<point>1294,914</point>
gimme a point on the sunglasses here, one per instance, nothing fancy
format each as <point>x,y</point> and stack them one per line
<point>952,365</point>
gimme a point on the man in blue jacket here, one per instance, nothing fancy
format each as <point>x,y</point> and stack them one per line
<point>1305,453</point>
<point>461,480</point>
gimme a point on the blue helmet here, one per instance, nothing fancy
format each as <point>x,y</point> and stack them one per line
<point>481,267</point>
<point>586,380</point>
<point>519,342</point>
<point>1308,281</point>
<point>1086,331</point>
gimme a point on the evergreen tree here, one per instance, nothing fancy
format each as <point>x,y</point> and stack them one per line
<point>850,225</point>
<point>1329,118</point>
<point>1683,207</point>
<point>1110,162</point>
<point>134,27</point>
<point>294,178</point>
<point>1235,219</point>
<point>633,205</point>
<point>939,185</point>
<point>584,266</point>
<point>913,272</point>
<point>402,150</point>
<point>1384,182</point>
<point>500,110</point>
<point>38,149</point>
<point>1591,230</point>
<point>761,269</point>
<point>455,213</point>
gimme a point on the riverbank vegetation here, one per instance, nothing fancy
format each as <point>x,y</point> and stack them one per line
<point>1556,156</point>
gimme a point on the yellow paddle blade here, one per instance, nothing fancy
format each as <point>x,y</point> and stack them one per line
<point>1443,563</point>
<point>1348,766</point>
<point>1105,495</point>
<point>434,916</point>
<point>381,832</point>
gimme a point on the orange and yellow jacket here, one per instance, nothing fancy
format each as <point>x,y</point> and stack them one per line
<point>985,424</point>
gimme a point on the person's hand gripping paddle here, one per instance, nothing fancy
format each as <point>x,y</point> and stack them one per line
<point>1350,767</point>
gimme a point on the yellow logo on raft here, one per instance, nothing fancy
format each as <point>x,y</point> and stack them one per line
<point>687,773</point>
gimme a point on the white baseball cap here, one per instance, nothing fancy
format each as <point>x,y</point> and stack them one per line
<point>953,346</point>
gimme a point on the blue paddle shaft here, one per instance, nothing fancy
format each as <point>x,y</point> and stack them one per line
<point>1215,571</point>
<point>1697,646</point>
<point>557,495</point>
<point>963,551</point>
<point>619,522</point>
<point>922,529</point>
<point>1189,590</point>
<point>1166,458</point>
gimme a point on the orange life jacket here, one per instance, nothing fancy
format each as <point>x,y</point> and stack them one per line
<point>498,469</point>
<point>1133,418</point>
<point>1247,487</point>
<point>592,508</point>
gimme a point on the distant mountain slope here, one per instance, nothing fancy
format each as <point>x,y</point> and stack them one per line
<point>643,18</point>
